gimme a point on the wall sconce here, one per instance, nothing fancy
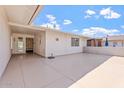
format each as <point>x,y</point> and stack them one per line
<point>57,39</point>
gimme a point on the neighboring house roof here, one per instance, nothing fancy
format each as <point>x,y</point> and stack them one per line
<point>94,39</point>
<point>116,37</point>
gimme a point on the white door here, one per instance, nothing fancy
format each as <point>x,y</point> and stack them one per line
<point>19,45</point>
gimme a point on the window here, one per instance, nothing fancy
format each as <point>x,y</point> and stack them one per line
<point>74,41</point>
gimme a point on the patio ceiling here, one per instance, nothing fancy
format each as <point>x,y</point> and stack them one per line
<point>22,14</point>
<point>18,28</point>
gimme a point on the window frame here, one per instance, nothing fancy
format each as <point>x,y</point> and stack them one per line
<point>75,42</point>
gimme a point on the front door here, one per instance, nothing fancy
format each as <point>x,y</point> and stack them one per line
<point>29,45</point>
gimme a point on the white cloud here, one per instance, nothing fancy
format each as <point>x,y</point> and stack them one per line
<point>98,31</point>
<point>87,16</point>
<point>109,14</point>
<point>75,30</point>
<point>48,25</point>
<point>67,22</point>
<point>51,17</point>
<point>52,23</point>
<point>89,13</point>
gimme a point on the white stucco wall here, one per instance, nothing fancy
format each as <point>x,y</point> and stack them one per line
<point>15,36</point>
<point>116,51</point>
<point>5,51</point>
<point>39,43</point>
<point>63,46</point>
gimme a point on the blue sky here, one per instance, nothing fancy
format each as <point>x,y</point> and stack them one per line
<point>93,20</point>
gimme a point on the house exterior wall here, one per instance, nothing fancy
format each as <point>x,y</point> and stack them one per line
<point>45,43</point>
<point>40,43</point>
<point>94,42</point>
<point>62,46</point>
<point>114,43</point>
<point>5,46</point>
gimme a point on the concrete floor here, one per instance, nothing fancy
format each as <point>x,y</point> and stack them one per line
<point>32,71</point>
<point>108,75</point>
